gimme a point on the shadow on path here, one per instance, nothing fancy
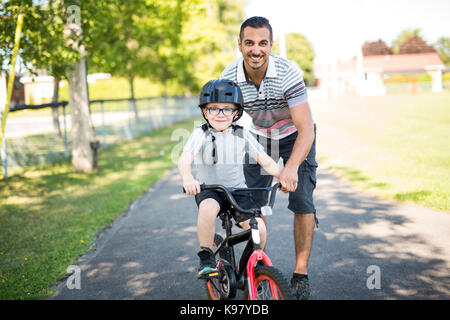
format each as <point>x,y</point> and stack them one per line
<point>150,253</point>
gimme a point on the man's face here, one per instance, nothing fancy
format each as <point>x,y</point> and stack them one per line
<point>255,47</point>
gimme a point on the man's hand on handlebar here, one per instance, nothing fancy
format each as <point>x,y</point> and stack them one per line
<point>288,178</point>
<point>191,186</point>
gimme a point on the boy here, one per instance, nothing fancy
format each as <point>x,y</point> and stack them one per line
<point>218,150</point>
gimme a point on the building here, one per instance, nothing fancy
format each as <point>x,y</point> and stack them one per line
<point>18,92</point>
<point>365,74</point>
<point>39,89</point>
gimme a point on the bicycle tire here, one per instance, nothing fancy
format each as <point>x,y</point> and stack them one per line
<point>265,274</point>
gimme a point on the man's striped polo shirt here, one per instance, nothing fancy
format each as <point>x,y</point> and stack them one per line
<point>282,88</point>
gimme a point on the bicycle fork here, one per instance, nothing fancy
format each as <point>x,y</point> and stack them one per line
<point>257,255</point>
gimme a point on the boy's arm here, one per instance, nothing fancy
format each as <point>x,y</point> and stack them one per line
<point>265,161</point>
<point>190,185</point>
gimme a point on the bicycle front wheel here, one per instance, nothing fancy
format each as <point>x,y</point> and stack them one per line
<point>270,285</point>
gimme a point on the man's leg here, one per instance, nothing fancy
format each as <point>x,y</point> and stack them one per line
<point>302,204</point>
<point>303,236</point>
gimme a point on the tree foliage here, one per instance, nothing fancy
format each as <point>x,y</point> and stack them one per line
<point>42,45</point>
<point>299,49</point>
<point>179,43</point>
<point>404,36</point>
<point>443,48</point>
<point>376,48</point>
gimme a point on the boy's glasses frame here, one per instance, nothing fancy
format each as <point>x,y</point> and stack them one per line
<point>215,111</point>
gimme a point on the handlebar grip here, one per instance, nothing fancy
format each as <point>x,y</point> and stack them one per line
<point>273,193</point>
<point>202,187</point>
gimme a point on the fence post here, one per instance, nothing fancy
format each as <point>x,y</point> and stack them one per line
<point>130,124</point>
<point>102,108</point>
<point>150,116</point>
<point>4,159</point>
<point>66,143</point>
<point>165,112</point>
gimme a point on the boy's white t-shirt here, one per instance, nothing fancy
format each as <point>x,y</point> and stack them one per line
<point>231,149</point>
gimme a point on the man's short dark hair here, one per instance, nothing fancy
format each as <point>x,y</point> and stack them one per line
<point>256,22</point>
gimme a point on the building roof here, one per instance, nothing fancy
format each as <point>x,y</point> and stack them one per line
<point>397,63</point>
<point>403,62</point>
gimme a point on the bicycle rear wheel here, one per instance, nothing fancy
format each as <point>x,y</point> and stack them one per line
<point>270,285</point>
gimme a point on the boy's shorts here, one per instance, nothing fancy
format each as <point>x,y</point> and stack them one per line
<point>243,198</point>
<point>301,200</point>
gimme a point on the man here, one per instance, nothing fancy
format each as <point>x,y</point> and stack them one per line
<point>276,100</point>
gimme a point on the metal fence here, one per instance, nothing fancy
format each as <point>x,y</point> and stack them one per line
<point>31,138</point>
<point>408,87</point>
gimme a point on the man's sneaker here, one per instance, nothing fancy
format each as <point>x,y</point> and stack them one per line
<point>207,262</point>
<point>300,286</point>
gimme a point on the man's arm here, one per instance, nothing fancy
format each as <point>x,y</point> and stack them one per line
<point>302,118</point>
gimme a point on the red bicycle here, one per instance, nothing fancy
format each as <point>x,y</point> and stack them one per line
<point>254,274</point>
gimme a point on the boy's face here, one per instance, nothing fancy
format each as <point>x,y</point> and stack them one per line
<point>220,114</point>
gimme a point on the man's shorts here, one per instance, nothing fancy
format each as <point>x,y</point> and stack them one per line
<point>243,199</point>
<point>301,200</point>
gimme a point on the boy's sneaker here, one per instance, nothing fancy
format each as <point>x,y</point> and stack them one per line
<point>300,286</point>
<point>207,262</point>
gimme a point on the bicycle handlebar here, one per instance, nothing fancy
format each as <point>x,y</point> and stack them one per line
<point>231,199</point>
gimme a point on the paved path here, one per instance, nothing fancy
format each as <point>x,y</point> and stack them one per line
<point>150,253</point>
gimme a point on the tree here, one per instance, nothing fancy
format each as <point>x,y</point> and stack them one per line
<point>205,45</point>
<point>81,130</point>
<point>404,36</point>
<point>376,48</point>
<point>43,41</point>
<point>182,43</point>
<point>415,45</point>
<point>299,49</point>
<point>443,48</point>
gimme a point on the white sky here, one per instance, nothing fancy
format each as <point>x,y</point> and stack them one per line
<point>338,28</point>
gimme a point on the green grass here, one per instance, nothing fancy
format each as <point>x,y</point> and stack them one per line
<point>395,147</point>
<point>50,216</point>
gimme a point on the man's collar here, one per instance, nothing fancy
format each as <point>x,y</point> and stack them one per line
<point>270,73</point>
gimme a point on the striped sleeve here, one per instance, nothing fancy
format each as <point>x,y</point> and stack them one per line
<point>294,87</point>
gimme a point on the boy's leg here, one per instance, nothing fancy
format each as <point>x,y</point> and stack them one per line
<point>207,213</point>
<point>261,227</point>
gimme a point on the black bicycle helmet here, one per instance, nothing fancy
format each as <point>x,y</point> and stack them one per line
<point>222,90</point>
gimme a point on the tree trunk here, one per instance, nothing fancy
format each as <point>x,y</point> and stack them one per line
<point>82,135</point>
<point>133,101</point>
<point>55,110</point>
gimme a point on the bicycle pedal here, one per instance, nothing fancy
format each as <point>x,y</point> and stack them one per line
<point>208,276</point>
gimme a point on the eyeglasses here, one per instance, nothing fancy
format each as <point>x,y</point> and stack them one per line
<point>227,111</point>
